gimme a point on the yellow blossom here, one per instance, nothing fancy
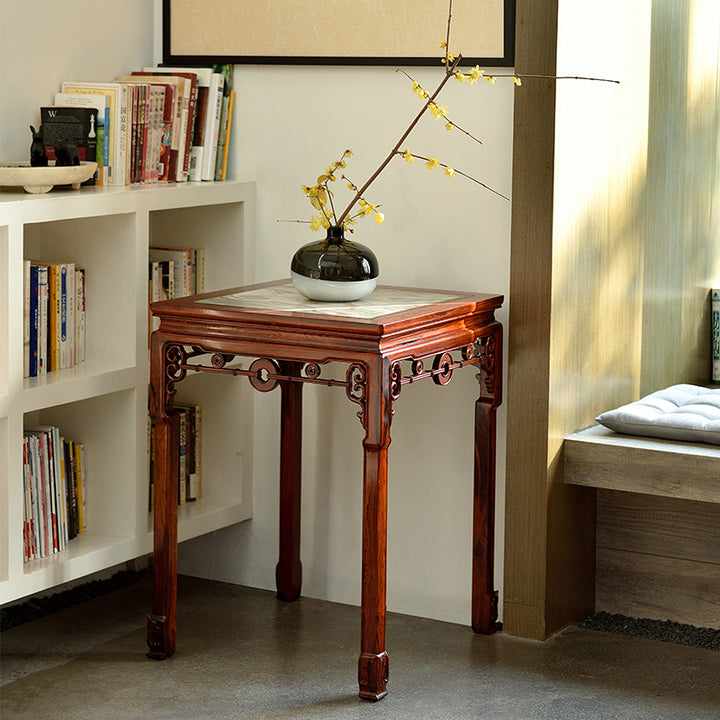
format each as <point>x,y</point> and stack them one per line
<point>407,155</point>
<point>379,218</point>
<point>517,80</point>
<point>418,89</point>
<point>448,126</point>
<point>365,207</point>
<point>476,73</point>
<point>449,171</point>
<point>432,163</point>
<point>315,222</point>
<point>460,77</point>
<point>438,111</point>
<point>449,57</point>
<point>318,197</point>
<point>489,79</point>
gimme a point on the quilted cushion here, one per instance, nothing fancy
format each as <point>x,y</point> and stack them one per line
<point>680,412</point>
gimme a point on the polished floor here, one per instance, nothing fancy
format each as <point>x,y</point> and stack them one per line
<point>243,654</point>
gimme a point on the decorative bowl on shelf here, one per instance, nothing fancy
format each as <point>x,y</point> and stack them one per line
<point>43,179</point>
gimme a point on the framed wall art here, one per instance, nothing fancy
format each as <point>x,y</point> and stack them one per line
<point>337,32</point>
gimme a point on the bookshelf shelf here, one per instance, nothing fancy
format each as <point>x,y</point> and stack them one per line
<point>102,401</point>
<point>85,380</point>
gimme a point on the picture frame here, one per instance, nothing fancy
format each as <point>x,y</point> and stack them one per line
<point>337,32</point>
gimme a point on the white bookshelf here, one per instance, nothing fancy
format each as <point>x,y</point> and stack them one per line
<point>102,402</point>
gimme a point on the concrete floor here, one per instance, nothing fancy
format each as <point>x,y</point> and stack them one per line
<point>243,654</point>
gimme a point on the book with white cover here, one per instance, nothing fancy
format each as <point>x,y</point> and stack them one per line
<point>117,98</point>
<point>215,103</point>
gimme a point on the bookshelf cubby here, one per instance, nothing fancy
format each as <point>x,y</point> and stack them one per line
<point>102,402</point>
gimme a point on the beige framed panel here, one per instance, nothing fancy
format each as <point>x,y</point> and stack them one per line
<point>341,32</point>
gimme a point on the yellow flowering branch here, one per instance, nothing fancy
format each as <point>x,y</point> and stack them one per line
<point>430,100</point>
<point>432,162</point>
<point>320,195</point>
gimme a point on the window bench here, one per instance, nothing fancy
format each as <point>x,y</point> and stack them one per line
<point>658,523</point>
<point>600,458</point>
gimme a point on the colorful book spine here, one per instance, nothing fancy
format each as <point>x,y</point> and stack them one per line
<point>33,321</point>
<point>715,322</point>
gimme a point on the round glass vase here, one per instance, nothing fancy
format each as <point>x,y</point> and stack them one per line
<point>334,269</point>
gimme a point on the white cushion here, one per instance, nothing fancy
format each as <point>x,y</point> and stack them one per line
<point>681,412</point>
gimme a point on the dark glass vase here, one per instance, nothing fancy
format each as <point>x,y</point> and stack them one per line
<point>334,269</point>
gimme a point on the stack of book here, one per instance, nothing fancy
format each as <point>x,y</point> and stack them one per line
<point>189,461</point>
<point>158,124</point>
<point>54,317</point>
<point>174,272</point>
<point>54,487</point>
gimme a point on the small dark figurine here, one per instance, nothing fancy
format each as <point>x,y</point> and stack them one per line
<point>66,154</point>
<point>38,157</point>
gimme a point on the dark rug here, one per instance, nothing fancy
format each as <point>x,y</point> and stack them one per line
<point>36,607</point>
<point>663,630</point>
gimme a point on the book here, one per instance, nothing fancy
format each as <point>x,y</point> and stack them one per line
<point>208,109</point>
<point>43,284</point>
<point>189,110</point>
<point>79,315</point>
<point>155,117</point>
<point>99,102</point>
<point>715,324</point>
<point>223,173</point>
<point>55,327</point>
<point>217,85</point>
<point>48,488</point>
<point>29,538</point>
<point>80,489</point>
<point>117,100</point>
<point>199,148</point>
<point>227,72</point>
<point>67,315</point>
<point>33,319</point>
<point>183,260</point>
<point>26,317</point>
<point>172,118</point>
<point>202,145</point>
<point>182,463</point>
<point>167,279</point>
<point>191,449</point>
<point>55,490</point>
<point>190,454</point>
<point>54,314</point>
<point>31,442</point>
<point>73,525</point>
<point>74,125</point>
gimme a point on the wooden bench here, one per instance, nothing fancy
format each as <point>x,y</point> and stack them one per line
<point>658,523</point>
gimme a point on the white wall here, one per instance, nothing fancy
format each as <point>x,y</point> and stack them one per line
<point>43,43</point>
<point>290,123</point>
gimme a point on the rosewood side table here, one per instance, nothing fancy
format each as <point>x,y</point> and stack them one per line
<point>395,337</point>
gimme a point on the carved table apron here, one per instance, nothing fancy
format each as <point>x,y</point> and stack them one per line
<point>394,337</point>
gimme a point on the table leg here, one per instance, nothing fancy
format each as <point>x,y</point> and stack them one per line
<point>373,662</point>
<point>484,596</point>
<point>288,571</point>
<point>161,623</point>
